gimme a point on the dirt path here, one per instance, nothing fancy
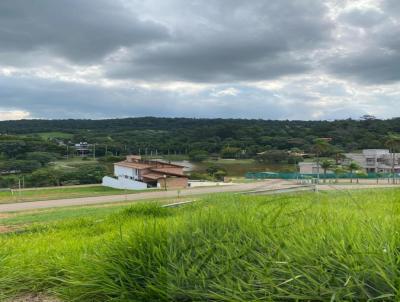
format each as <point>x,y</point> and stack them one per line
<point>260,187</point>
<point>34,205</point>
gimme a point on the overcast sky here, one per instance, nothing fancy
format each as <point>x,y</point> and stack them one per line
<point>286,59</point>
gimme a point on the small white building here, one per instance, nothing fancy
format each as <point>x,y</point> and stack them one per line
<point>311,168</point>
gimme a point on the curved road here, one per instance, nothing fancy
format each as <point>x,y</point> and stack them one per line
<point>261,187</point>
<point>35,205</point>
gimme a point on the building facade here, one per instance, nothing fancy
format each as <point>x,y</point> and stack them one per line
<point>376,160</point>
<point>311,168</point>
<point>137,173</point>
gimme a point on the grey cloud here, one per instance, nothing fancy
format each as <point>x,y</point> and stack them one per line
<point>226,43</point>
<point>373,66</point>
<point>82,31</point>
<point>234,41</point>
<point>52,99</point>
<point>374,59</point>
<point>362,17</point>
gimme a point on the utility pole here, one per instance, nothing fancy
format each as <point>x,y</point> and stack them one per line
<point>19,187</point>
<point>393,162</point>
<point>94,151</point>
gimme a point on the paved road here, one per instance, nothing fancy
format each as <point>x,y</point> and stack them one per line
<point>263,187</point>
<point>34,205</point>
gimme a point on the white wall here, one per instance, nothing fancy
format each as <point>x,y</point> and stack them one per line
<point>123,183</point>
<point>120,171</point>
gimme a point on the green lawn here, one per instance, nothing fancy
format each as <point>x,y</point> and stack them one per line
<point>60,193</point>
<point>73,162</point>
<point>55,134</point>
<point>238,168</point>
<point>334,246</point>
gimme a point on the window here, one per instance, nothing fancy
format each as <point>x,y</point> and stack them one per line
<point>370,161</point>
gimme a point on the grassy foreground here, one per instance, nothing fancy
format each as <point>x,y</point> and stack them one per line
<point>305,247</point>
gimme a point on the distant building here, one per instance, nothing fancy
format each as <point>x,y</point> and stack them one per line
<point>311,168</point>
<point>376,160</point>
<point>136,173</point>
<point>83,148</point>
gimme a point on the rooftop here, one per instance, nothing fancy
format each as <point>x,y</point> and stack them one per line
<point>135,165</point>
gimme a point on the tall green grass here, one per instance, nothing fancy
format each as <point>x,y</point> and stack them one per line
<point>305,247</point>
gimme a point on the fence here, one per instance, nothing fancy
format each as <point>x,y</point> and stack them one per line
<point>271,175</point>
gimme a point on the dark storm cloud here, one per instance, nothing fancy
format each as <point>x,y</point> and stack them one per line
<point>81,31</point>
<point>372,66</point>
<point>52,99</point>
<point>267,59</point>
<point>233,40</point>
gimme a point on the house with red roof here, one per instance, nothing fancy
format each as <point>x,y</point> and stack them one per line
<point>137,173</point>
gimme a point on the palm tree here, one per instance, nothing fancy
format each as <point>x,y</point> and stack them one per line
<point>353,167</point>
<point>338,170</point>
<point>393,143</point>
<point>325,165</point>
<point>339,155</point>
<point>320,146</point>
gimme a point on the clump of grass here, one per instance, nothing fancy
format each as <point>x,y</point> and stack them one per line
<point>143,209</point>
<point>304,247</point>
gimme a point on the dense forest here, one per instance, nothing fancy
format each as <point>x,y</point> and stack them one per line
<point>29,147</point>
<point>211,135</point>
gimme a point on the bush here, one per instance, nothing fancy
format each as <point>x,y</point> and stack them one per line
<point>200,176</point>
<point>220,174</point>
<point>45,177</point>
<point>273,157</point>
<point>230,152</point>
<point>42,157</point>
<point>198,155</point>
<point>19,166</point>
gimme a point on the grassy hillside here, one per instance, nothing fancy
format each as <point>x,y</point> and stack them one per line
<point>304,247</point>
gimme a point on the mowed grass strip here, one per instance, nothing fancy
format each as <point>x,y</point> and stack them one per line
<point>333,246</point>
<point>60,193</point>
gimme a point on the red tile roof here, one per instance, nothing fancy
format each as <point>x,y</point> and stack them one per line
<point>167,172</point>
<point>153,176</point>
<point>134,165</point>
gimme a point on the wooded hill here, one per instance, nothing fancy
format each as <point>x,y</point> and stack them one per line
<point>183,135</point>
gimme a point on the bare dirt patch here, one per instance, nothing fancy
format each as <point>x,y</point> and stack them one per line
<point>34,298</point>
<point>8,229</point>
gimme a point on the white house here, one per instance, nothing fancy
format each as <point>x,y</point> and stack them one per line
<point>311,168</point>
<point>135,174</point>
<point>376,160</point>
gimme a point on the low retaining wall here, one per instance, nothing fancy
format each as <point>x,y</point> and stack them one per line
<point>123,183</point>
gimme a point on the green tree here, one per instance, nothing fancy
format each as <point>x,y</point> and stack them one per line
<point>230,152</point>
<point>325,165</point>
<point>220,174</point>
<point>320,146</point>
<point>198,155</point>
<point>353,167</point>
<point>42,157</point>
<point>273,156</point>
<point>45,177</point>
